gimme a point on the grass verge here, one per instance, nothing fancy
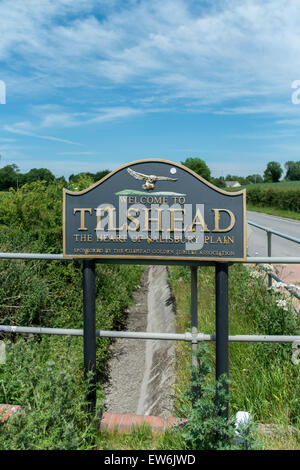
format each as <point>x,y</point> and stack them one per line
<point>263,380</point>
<point>274,211</point>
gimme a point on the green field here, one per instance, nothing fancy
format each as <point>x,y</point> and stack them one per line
<point>279,185</point>
<point>282,199</point>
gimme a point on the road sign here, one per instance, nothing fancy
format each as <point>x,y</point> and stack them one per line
<point>155,209</point>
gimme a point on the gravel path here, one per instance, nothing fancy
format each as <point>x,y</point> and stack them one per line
<point>141,371</point>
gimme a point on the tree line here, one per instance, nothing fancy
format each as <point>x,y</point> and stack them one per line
<point>272,173</point>
<point>11,176</point>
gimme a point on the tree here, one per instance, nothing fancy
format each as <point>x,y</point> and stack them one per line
<point>273,172</point>
<point>240,179</point>
<point>100,174</point>
<point>79,176</point>
<point>198,166</point>
<point>254,179</point>
<point>292,171</point>
<point>9,177</point>
<point>220,182</point>
<point>38,174</point>
<point>95,176</point>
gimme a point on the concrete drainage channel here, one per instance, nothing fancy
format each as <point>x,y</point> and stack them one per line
<point>142,372</point>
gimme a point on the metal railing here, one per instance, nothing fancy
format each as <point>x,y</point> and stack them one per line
<point>187,336</point>
<point>90,333</point>
<point>271,276</point>
<point>274,232</point>
<point>60,257</point>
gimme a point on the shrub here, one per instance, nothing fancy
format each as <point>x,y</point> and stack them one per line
<point>281,197</point>
<point>207,427</point>
<point>52,395</point>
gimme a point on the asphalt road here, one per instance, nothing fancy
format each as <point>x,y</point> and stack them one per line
<point>257,239</point>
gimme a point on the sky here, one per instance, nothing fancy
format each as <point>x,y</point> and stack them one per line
<point>87,85</point>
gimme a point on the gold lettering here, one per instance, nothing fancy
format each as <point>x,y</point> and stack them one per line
<point>153,219</point>
<point>198,220</point>
<point>133,219</point>
<point>217,220</point>
<point>110,210</point>
<point>132,200</point>
<point>98,217</point>
<point>173,220</point>
<point>82,216</point>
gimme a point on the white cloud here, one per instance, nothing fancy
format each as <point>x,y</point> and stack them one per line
<point>20,128</point>
<point>172,50</point>
<point>62,119</point>
<point>76,153</point>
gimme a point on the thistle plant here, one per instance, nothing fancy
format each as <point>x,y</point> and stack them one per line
<point>207,427</point>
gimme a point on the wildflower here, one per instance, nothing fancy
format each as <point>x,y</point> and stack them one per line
<point>281,303</point>
<point>277,285</point>
<point>255,274</point>
<point>267,267</point>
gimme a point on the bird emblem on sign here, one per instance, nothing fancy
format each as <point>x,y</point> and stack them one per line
<point>150,180</point>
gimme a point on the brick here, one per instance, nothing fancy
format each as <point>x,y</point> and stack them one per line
<point>7,410</point>
<point>171,421</point>
<point>126,422</point>
<point>160,423</point>
<point>105,421</point>
<point>115,422</point>
<point>138,420</point>
<point>149,420</point>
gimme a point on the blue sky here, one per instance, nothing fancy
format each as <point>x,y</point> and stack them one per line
<point>94,84</point>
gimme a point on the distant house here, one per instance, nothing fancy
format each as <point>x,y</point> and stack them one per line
<point>232,184</point>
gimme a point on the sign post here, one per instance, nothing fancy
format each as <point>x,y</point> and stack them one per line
<point>89,330</point>
<point>194,311</point>
<point>158,212</point>
<point>222,367</point>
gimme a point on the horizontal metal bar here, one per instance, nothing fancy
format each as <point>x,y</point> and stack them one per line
<point>187,336</point>
<point>273,260</point>
<point>279,234</point>
<point>253,260</point>
<point>147,335</point>
<point>256,338</point>
<point>44,256</point>
<point>99,333</point>
<point>41,331</point>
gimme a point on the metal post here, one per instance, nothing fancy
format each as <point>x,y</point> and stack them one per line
<point>89,330</point>
<point>222,325</point>
<point>269,235</point>
<point>194,311</point>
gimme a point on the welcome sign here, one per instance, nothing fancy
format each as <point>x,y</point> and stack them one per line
<point>154,209</point>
